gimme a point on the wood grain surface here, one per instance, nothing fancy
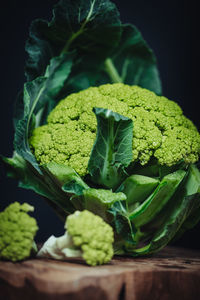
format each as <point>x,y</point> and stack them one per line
<point>174,273</point>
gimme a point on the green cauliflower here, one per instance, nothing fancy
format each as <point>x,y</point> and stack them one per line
<point>119,151</point>
<point>87,236</point>
<point>160,130</point>
<point>17,232</point>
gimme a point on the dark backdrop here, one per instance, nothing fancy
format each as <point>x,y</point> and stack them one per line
<point>169,27</point>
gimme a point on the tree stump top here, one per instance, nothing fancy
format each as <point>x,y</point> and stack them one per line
<point>173,273</point>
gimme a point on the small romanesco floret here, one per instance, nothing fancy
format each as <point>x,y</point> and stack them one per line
<point>17,232</point>
<point>87,236</point>
<point>160,129</point>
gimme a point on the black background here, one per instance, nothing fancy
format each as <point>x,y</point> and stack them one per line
<point>169,27</point>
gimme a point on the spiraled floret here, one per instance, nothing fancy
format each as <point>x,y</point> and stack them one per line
<point>160,129</point>
<point>87,236</point>
<point>92,235</point>
<point>17,231</point>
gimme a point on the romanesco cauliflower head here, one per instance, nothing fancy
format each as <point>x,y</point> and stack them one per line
<point>92,235</point>
<point>17,231</point>
<point>160,129</point>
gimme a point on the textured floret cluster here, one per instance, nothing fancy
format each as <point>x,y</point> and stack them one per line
<point>160,129</point>
<point>17,231</point>
<point>92,235</point>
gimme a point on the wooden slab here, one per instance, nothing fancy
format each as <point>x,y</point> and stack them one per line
<point>174,273</point>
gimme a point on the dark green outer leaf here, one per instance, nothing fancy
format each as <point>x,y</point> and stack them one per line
<point>163,237</point>
<point>99,201</point>
<point>173,221</point>
<point>62,173</point>
<point>112,150</point>
<point>192,220</point>
<point>18,109</point>
<point>65,177</point>
<point>106,50</point>
<point>137,188</point>
<point>123,227</point>
<point>158,199</point>
<point>90,27</point>
<point>21,145</point>
<point>45,186</point>
<point>39,50</point>
<point>133,62</point>
<point>179,209</point>
<point>85,73</point>
<point>73,187</point>
<point>192,187</point>
<point>40,94</point>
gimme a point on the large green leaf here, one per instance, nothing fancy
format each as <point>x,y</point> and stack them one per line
<point>137,188</point>
<point>150,208</point>
<point>192,186</point>
<point>174,222</point>
<point>18,109</point>
<point>89,27</point>
<point>99,201</point>
<point>61,173</point>
<point>112,150</point>
<point>179,211</point>
<point>66,177</point>
<point>124,228</point>
<point>106,50</point>
<point>39,98</point>
<point>133,62</point>
<point>46,186</point>
<point>21,144</point>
